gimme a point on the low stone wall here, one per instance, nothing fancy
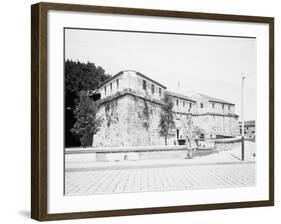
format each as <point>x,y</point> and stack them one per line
<point>134,156</point>
<point>227,143</point>
<point>80,157</point>
<point>228,140</point>
<point>123,149</point>
<point>226,146</point>
<point>116,156</point>
<point>104,154</point>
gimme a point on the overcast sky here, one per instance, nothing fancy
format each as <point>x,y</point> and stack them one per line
<point>204,64</point>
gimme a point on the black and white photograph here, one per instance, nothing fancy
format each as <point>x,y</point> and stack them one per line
<point>147,111</point>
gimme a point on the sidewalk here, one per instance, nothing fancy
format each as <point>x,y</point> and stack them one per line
<point>166,178</point>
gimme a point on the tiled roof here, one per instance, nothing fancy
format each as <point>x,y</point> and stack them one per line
<point>213,99</point>
<point>210,98</point>
<point>138,73</point>
<point>110,78</point>
<point>181,96</point>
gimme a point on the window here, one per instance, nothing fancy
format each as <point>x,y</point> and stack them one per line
<point>117,83</point>
<point>228,107</point>
<point>183,103</point>
<point>222,106</point>
<point>190,105</point>
<point>110,87</point>
<point>213,105</point>
<point>144,84</point>
<point>105,90</point>
<point>177,102</point>
<point>160,90</point>
<point>152,88</point>
<point>201,105</point>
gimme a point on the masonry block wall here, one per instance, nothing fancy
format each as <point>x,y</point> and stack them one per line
<point>129,121</point>
<point>113,129</point>
<point>131,108</point>
<point>218,125</point>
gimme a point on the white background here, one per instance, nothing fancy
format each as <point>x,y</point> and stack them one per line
<point>57,203</point>
<point>15,112</point>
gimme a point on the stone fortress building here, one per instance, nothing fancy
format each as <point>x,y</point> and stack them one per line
<point>131,104</point>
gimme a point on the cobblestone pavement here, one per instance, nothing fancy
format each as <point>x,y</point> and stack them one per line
<point>159,178</point>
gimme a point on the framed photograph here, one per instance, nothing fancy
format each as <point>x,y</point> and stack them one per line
<point>142,111</point>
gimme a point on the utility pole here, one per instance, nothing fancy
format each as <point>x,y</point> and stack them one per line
<point>242,118</point>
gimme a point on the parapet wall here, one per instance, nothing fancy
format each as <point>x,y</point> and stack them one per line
<point>217,124</point>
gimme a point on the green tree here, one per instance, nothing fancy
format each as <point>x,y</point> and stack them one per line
<point>78,77</point>
<point>166,123</point>
<point>87,121</point>
<point>83,76</point>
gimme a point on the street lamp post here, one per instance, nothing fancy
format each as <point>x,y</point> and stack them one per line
<point>242,118</point>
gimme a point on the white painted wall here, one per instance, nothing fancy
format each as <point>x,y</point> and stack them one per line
<point>183,106</point>
<point>136,84</point>
<point>131,80</point>
<point>112,87</point>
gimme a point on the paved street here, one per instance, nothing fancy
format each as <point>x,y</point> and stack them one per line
<point>139,179</point>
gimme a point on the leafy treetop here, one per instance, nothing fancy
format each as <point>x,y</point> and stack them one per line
<point>83,76</point>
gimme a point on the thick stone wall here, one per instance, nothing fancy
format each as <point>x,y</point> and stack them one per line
<point>184,124</point>
<point>217,124</point>
<point>129,120</point>
<point>143,121</point>
<point>113,131</point>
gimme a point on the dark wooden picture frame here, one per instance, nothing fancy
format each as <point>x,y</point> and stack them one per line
<point>39,202</point>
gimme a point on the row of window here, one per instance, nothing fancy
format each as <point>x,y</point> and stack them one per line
<point>144,87</point>
<point>184,103</point>
<point>110,86</point>
<point>213,106</point>
<point>222,106</point>
<point>201,105</point>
